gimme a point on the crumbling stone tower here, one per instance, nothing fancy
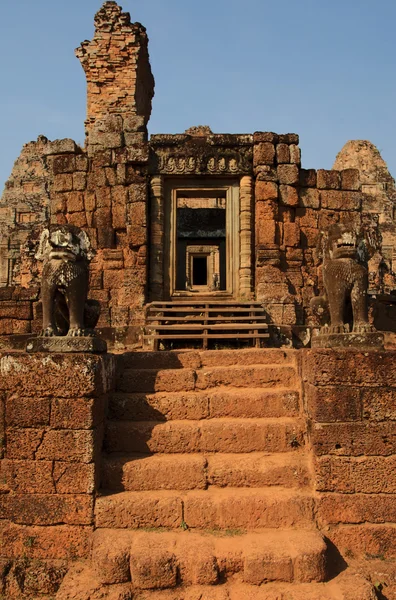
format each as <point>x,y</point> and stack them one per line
<point>120,85</point>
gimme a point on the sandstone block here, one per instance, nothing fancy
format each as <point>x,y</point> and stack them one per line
<point>255,403</point>
<point>265,136</point>
<point>157,406</point>
<point>364,540</point>
<point>288,174</point>
<point>357,508</point>
<point>349,367</point>
<point>153,566</point>
<point>288,195</point>
<point>81,163</point>
<point>79,181</point>
<point>331,404</point>
<point>63,183</point>
<point>354,439</point>
<point>265,229</point>
<point>41,509</point>
<point>73,478</point>
<point>263,154</point>
<point>282,153</point>
<point>11,309</point>
<point>328,180</point>
<point>262,567</point>
<point>153,380</point>
<point>365,474</point>
<point>307,217</point>
<point>111,556</point>
<point>266,190</point>
<point>79,413</point>
<point>141,437</point>
<point>75,202</point>
<point>295,154</point>
<point>291,234</point>
<point>350,179</point>
<point>56,542</point>
<point>289,138</point>
<point>134,123</point>
<point>309,237</point>
<point>379,404</point>
<point>67,445</point>
<point>340,200</point>
<point>257,376</point>
<point>260,436</point>
<point>309,197</point>
<point>23,443</point>
<point>246,509</point>
<point>139,509</point>
<point>28,476</point>
<point>163,472</point>
<point>60,375</point>
<point>64,146</point>
<point>307,178</point>
<point>27,412</point>
<point>65,163</point>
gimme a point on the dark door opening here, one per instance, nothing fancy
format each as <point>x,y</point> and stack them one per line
<point>200,270</point>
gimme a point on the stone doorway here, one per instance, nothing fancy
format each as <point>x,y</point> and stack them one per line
<point>203,225</point>
<point>202,237</point>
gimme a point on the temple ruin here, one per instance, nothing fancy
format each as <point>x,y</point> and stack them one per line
<point>214,452</point>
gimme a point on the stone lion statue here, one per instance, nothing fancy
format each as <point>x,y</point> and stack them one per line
<point>344,250</point>
<point>66,251</point>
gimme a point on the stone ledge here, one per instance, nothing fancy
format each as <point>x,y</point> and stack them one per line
<point>66,344</point>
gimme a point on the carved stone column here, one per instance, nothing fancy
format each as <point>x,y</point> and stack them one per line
<point>245,271</point>
<point>157,239</point>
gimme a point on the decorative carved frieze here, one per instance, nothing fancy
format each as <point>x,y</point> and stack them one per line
<point>221,164</point>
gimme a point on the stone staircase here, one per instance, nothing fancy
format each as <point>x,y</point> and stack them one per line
<point>206,486</point>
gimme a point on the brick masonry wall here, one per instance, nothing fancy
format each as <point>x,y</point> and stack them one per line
<point>52,409</point>
<point>350,399</point>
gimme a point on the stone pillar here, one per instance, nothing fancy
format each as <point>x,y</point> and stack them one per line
<point>157,239</point>
<point>245,268</point>
<point>52,409</point>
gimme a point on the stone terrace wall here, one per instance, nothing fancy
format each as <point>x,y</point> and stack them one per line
<point>350,399</point>
<point>52,409</point>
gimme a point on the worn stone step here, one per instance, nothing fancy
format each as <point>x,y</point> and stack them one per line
<point>186,379</point>
<point>195,359</point>
<point>159,560</point>
<point>136,472</point>
<point>214,435</point>
<point>344,587</point>
<point>215,508</point>
<point>82,583</point>
<point>221,402</point>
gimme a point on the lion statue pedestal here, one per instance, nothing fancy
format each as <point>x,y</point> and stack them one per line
<point>345,277</point>
<point>69,318</point>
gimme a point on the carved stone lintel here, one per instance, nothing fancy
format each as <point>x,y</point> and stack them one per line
<point>66,344</point>
<point>364,341</point>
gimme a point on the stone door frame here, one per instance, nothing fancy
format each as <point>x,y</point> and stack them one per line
<point>239,247</point>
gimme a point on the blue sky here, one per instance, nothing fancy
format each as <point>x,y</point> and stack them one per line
<point>324,70</point>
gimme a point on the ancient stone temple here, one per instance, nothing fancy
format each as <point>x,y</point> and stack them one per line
<point>238,439</point>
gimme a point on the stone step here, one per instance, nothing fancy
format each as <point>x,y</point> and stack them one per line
<point>193,359</point>
<point>82,583</point>
<point>215,508</point>
<point>221,402</point>
<point>163,560</point>
<point>214,435</point>
<point>139,472</point>
<point>186,379</point>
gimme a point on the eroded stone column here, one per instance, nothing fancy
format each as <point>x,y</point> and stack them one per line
<point>245,270</point>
